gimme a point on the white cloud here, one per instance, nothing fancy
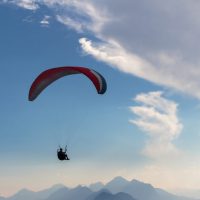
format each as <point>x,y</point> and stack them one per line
<point>157,117</point>
<point>70,23</point>
<point>26,4</point>
<point>165,72</point>
<point>45,21</point>
<point>151,39</point>
<point>31,5</point>
<point>115,55</point>
<point>79,15</point>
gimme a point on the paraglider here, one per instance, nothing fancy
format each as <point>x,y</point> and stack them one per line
<point>62,155</point>
<point>51,75</point>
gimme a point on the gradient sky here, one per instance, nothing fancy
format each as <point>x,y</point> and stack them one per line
<point>145,127</point>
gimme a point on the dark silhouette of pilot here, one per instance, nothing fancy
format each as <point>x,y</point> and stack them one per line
<point>62,155</point>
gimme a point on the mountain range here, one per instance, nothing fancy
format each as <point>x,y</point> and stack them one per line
<point>117,189</point>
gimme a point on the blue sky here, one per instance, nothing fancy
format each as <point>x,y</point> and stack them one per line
<point>148,117</point>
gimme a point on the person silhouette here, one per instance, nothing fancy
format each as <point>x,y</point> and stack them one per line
<point>62,155</point>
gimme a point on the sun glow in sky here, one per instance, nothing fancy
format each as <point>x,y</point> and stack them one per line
<point>145,127</point>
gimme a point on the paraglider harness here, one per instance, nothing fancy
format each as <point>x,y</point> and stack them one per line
<point>62,155</point>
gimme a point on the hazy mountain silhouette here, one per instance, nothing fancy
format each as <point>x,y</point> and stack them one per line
<point>109,196</point>
<point>95,194</point>
<point>25,194</point>
<point>117,189</point>
<point>96,186</point>
<point>166,195</point>
<point>140,190</point>
<point>43,194</point>
<point>59,194</point>
<point>78,193</point>
<point>117,184</point>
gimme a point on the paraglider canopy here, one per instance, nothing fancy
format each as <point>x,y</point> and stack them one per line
<point>51,75</point>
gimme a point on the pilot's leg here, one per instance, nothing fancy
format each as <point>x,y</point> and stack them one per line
<point>66,157</point>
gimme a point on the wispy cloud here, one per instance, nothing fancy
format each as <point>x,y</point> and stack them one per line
<point>169,71</point>
<point>71,23</point>
<point>83,13</point>
<point>117,57</point>
<point>152,40</point>
<point>26,4</point>
<point>78,15</point>
<point>45,21</point>
<point>157,117</point>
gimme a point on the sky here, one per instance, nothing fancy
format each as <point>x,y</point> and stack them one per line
<point>146,126</point>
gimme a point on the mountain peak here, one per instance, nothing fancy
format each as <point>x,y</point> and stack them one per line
<point>80,189</point>
<point>24,192</point>
<point>57,186</point>
<point>118,179</point>
<point>116,184</point>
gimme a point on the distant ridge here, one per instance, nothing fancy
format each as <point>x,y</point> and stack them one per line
<point>117,189</point>
<point>25,194</point>
<point>95,194</point>
<point>78,193</point>
<point>109,196</point>
<point>96,186</point>
<point>59,194</point>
